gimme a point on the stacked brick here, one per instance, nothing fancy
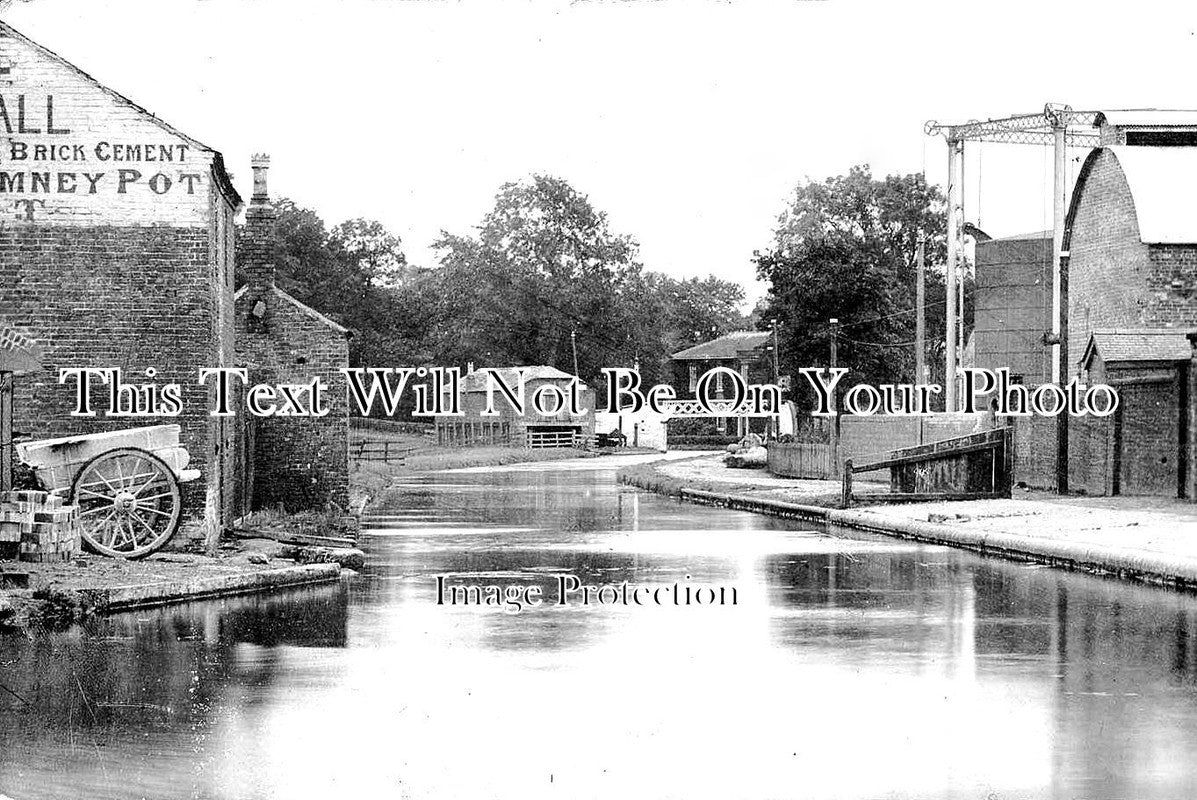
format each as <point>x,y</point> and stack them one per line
<point>36,526</point>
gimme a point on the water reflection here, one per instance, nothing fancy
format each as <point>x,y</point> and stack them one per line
<point>851,666</point>
<point>125,706</point>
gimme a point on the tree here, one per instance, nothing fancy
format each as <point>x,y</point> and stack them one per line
<point>544,274</point>
<point>700,309</point>
<point>845,248</point>
<point>376,253</point>
<point>357,275</point>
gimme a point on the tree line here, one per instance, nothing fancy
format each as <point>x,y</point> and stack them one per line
<point>543,279</point>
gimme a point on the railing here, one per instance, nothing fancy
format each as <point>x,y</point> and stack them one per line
<point>473,434</point>
<point>973,467</point>
<point>381,450</point>
<point>539,439</point>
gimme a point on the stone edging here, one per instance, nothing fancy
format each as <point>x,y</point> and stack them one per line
<point>121,598</point>
<point>1128,563</point>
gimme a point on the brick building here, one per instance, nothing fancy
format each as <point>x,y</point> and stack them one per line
<point>116,250</point>
<point>295,462</point>
<point>1132,298</point>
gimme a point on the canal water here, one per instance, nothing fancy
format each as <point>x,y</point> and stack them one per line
<point>849,666</point>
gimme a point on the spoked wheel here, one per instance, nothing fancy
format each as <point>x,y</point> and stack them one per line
<point>129,503</point>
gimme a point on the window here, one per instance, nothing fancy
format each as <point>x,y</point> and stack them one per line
<point>693,378</point>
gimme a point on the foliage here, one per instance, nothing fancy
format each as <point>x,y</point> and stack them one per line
<point>845,248</point>
<point>545,273</point>
<point>357,275</point>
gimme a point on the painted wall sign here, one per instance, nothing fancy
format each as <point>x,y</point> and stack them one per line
<point>73,153</point>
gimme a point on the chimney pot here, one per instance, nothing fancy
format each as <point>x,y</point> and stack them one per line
<point>260,163</point>
<point>259,229</point>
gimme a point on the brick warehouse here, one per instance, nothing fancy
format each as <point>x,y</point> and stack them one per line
<point>116,250</point>
<point>1132,299</point>
<point>296,462</point>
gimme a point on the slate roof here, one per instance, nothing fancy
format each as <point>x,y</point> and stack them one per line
<point>1139,344</point>
<point>477,381</point>
<point>731,345</point>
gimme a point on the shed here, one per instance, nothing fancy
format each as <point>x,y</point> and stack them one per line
<point>506,427</point>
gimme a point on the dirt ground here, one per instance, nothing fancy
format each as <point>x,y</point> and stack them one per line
<point>87,571</point>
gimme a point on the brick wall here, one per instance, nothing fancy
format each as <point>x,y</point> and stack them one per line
<point>1115,280</point>
<point>869,438</point>
<point>82,155</point>
<point>115,251</point>
<point>1035,452</point>
<point>1150,432</point>
<point>1109,266</point>
<point>299,463</point>
<point>130,297</point>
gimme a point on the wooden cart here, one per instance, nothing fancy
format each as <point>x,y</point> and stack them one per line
<point>125,483</point>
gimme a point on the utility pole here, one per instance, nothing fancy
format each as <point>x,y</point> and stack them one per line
<point>955,242</point>
<point>1059,121</point>
<point>920,320</point>
<point>835,417</point>
<point>573,340</point>
<point>776,367</point>
<point>1057,126</point>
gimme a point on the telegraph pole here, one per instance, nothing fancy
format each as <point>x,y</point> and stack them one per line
<point>776,367</point>
<point>955,240</point>
<point>1059,120</point>
<point>920,320</point>
<point>573,340</point>
<point>835,418</point>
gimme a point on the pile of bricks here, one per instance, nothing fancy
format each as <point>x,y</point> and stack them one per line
<point>36,526</point>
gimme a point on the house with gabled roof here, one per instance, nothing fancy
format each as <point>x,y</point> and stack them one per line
<point>748,353</point>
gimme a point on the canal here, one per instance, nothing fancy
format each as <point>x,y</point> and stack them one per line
<point>849,666</point>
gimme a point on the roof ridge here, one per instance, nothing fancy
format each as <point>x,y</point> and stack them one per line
<point>218,160</point>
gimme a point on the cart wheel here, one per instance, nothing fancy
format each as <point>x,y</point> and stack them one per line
<point>129,503</point>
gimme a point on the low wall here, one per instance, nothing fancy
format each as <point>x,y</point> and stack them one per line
<point>868,438</point>
<point>865,439</point>
<point>1035,452</point>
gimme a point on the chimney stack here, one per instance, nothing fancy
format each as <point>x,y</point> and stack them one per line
<point>259,230</point>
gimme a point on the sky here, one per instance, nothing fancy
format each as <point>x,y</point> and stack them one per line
<point>688,122</point>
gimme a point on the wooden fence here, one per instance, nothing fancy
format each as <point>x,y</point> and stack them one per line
<point>381,450</point>
<point>539,439</point>
<point>972,467</point>
<point>801,460</point>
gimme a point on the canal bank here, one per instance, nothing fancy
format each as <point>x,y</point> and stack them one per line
<point>34,596</point>
<point>1144,539</point>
